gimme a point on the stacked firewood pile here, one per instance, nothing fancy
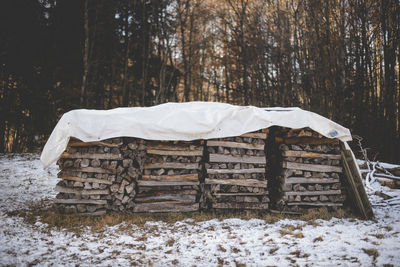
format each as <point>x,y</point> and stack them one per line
<point>171,177</point>
<point>97,176</point>
<point>88,170</point>
<point>310,170</point>
<point>236,172</point>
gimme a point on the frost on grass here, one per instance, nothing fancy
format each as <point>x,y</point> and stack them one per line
<point>38,237</point>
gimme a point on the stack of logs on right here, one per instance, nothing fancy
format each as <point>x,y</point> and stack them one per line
<point>236,173</point>
<point>309,170</point>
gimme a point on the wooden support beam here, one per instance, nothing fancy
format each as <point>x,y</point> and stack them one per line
<point>175,152</point>
<point>240,182</point>
<point>172,165</point>
<point>218,195</point>
<point>85,144</point>
<point>78,155</point>
<point>176,178</point>
<point>90,180</point>
<point>187,199</point>
<point>310,167</point>
<point>149,193</point>
<point>313,193</point>
<point>165,183</point>
<point>239,171</point>
<point>63,189</point>
<point>318,204</point>
<point>92,169</point>
<point>237,159</point>
<point>310,180</point>
<point>306,154</point>
<point>356,188</point>
<point>245,206</point>
<point>81,201</point>
<point>165,207</point>
<point>255,135</point>
<point>306,140</point>
<point>170,147</point>
<point>236,145</point>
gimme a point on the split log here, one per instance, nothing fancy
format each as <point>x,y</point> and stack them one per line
<point>187,199</point>
<point>235,145</point>
<point>80,201</point>
<point>175,152</point>
<point>311,167</point>
<point>255,135</point>
<point>68,190</point>
<point>306,154</point>
<point>310,180</point>
<point>240,182</point>
<point>172,165</point>
<point>236,159</point>
<point>219,171</point>
<point>176,178</point>
<point>90,180</point>
<point>313,193</point>
<point>166,183</point>
<point>306,140</point>
<point>247,206</point>
<point>91,156</point>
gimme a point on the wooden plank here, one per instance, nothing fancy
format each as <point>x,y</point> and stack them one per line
<point>233,205</point>
<point>318,204</point>
<point>165,183</point>
<point>84,144</point>
<point>95,213</point>
<point>170,147</point>
<point>165,207</point>
<point>218,171</point>
<point>310,167</point>
<point>236,145</point>
<point>306,140</point>
<point>306,154</point>
<point>310,180</point>
<point>149,193</point>
<point>177,178</point>
<point>239,194</point>
<point>237,159</point>
<point>81,201</point>
<point>356,188</point>
<point>90,180</point>
<point>240,182</point>
<point>77,155</point>
<point>175,152</point>
<point>63,189</point>
<point>91,169</point>
<point>313,193</point>
<point>172,165</point>
<point>165,198</point>
<point>255,135</point>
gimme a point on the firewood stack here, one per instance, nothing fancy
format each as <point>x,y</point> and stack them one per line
<point>236,172</point>
<point>88,170</point>
<point>170,180</point>
<point>123,190</point>
<point>311,170</point>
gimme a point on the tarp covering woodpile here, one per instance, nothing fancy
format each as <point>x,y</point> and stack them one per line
<point>180,121</point>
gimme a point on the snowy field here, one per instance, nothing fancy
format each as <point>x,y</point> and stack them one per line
<point>230,242</point>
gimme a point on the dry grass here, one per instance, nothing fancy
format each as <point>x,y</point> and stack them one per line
<point>318,239</point>
<point>371,252</point>
<point>43,212</point>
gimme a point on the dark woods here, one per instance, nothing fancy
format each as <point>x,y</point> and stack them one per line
<point>337,58</point>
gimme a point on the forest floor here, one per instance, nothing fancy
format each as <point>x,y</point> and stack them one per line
<point>30,236</point>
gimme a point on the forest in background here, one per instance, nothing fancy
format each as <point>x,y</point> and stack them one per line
<point>339,58</point>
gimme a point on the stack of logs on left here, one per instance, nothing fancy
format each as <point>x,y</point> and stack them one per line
<point>98,176</point>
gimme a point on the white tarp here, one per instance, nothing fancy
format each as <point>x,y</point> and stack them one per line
<point>180,121</point>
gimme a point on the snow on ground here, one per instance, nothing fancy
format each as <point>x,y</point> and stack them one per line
<point>231,242</point>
